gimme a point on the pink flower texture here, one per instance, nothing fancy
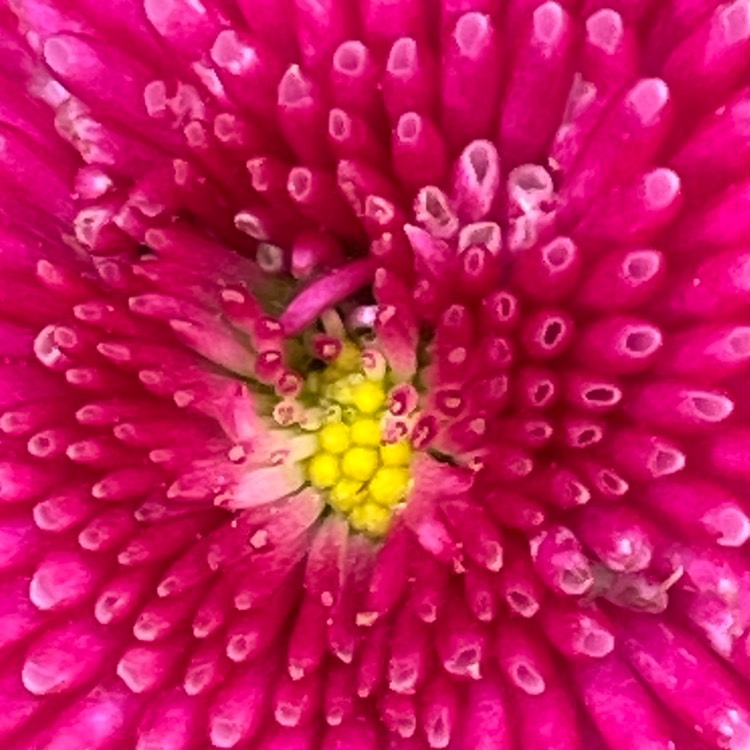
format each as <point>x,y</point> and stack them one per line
<point>374,374</point>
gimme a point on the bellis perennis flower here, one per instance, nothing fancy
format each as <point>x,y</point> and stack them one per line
<point>374,374</point>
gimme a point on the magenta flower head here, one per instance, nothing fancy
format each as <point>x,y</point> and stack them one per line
<point>374,374</point>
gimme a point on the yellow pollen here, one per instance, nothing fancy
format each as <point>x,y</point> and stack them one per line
<point>334,437</point>
<point>389,485</point>
<point>361,476</point>
<point>366,432</point>
<point>345,495</point>
<point>369,397</point>
<point>371,518</point>
<point>396,454</point>
<point>360,463</point>
<point>323,470</point>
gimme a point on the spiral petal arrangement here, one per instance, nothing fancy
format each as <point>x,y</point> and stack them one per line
<point>374,374</point>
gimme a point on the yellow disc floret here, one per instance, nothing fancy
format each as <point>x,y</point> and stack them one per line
<point>346,494</point>
<point>366,432</point>
<point>368,397</point>
<point>389,485</point>
<point>324,470</point>
<point>360,463</point>
<point>396,454</point>
<point>371,518</point>
<point>335,437</point>
<point>364,478</point>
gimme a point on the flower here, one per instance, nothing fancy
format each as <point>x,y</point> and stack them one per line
<point>373,375</point>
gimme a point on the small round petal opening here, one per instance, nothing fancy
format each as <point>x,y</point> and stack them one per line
<point>374,377</point>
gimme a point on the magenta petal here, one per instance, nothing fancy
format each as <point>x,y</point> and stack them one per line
<point>325,292</point>
<point>373,375</point>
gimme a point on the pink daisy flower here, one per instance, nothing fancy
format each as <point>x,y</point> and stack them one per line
<point>373,375</point>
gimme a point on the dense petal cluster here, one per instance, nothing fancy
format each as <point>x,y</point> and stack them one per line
<point>373,374</point>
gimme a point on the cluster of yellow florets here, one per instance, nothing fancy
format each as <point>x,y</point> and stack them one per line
<point>364,476</point>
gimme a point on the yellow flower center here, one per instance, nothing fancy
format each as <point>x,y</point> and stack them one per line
<point>365,477</point>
